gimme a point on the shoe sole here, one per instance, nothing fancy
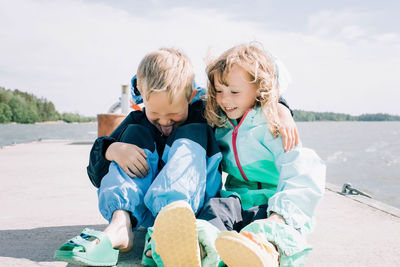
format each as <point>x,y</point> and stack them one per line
<point>175,236</point>
<point>77,260</point>
<point>237,251</point>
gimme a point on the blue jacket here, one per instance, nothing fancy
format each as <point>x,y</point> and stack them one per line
<point>98,164</point>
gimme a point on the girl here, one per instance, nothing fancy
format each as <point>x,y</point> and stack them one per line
<point>270,195</point>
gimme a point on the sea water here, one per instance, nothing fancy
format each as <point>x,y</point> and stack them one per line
<point>23,133</point>
<point>365,154</point>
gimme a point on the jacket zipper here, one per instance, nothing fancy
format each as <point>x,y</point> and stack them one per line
<point>234,137</point>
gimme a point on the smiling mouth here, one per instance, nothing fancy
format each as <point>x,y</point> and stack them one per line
<point>229,109</point>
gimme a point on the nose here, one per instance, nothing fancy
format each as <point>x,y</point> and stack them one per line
<point>164,121</point>
<point>224,98</point>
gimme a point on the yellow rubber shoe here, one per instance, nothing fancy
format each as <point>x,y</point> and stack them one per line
<point>238,250</point>
<point>175,236</point>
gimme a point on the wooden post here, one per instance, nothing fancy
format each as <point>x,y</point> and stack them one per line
<point>107,123</point>
<point>125,99</point>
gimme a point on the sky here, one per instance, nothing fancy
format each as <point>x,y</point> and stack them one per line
<point>343,56</point>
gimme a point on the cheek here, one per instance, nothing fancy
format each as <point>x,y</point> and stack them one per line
<point>248,100</point>
<point>181,117</point>
<point>218,99</point>
<point>151,117</point>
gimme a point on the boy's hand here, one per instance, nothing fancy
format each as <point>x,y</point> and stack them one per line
<point>131,158</point>
<point>287,129</point>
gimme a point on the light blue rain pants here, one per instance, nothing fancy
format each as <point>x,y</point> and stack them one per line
<point>188,171</point>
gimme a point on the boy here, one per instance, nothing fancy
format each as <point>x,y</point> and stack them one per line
<point>162,154</point>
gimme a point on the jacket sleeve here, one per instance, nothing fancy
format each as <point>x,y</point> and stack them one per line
<point>300,187</point>
<point>98,164</point>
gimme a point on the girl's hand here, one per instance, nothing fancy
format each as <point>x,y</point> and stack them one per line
<point>131,158</point>
<point>287,129</point>
<point>274,217</point>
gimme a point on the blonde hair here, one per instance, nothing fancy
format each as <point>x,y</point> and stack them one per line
<point>165,70</point>
<point>261,69</point>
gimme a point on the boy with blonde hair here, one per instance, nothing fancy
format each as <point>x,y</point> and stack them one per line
<point>163,153</point>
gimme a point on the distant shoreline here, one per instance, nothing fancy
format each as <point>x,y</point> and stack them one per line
<point>49,123</point>
<point>26,108</point>
<point>302,115</point>
<point>95,122</point>
<point>62,122</point>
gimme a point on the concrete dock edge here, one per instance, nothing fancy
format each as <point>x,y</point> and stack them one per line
<point>46,198</point>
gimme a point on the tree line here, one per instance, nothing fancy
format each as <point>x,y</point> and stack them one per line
<point>301,115</point>
<point>22,107</point>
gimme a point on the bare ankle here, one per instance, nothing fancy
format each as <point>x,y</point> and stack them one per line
<point>119,231</point>
<point>121,217</point>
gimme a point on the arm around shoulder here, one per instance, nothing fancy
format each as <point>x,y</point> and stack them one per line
<point>287,125</point>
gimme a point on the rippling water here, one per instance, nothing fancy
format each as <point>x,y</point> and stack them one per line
<point>366,154</point>
<point>22,133</point>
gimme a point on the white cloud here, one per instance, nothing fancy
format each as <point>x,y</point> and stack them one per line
<point>328,22</point>
<point>78,54</point>
<point>352,32</point>
<point>387,38</point>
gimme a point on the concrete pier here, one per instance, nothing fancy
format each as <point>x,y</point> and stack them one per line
<point>46,198</point>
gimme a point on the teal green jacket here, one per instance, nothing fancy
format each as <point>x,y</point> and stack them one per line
<point>260,172</point>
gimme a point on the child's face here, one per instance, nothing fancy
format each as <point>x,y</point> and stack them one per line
<point>164,115</point>
<point>239,96</point>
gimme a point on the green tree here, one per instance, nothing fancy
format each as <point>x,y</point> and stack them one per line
<point>74,117</point>
<point>46,110</point>
<point>5,113</point>
<point>16,105</point>
<point>23,112</point>
<point>30,114</point>
<point>5,95</point>
<point>378,117</point>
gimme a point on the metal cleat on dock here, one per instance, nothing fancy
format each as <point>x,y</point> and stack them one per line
<point>347,189</point>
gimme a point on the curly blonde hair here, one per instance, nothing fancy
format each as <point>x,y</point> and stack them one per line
<point>261,69</point>
<point>165,70</point>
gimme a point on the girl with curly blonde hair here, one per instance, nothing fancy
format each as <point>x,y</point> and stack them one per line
<point>249,64</point>
<point>270,195</point>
